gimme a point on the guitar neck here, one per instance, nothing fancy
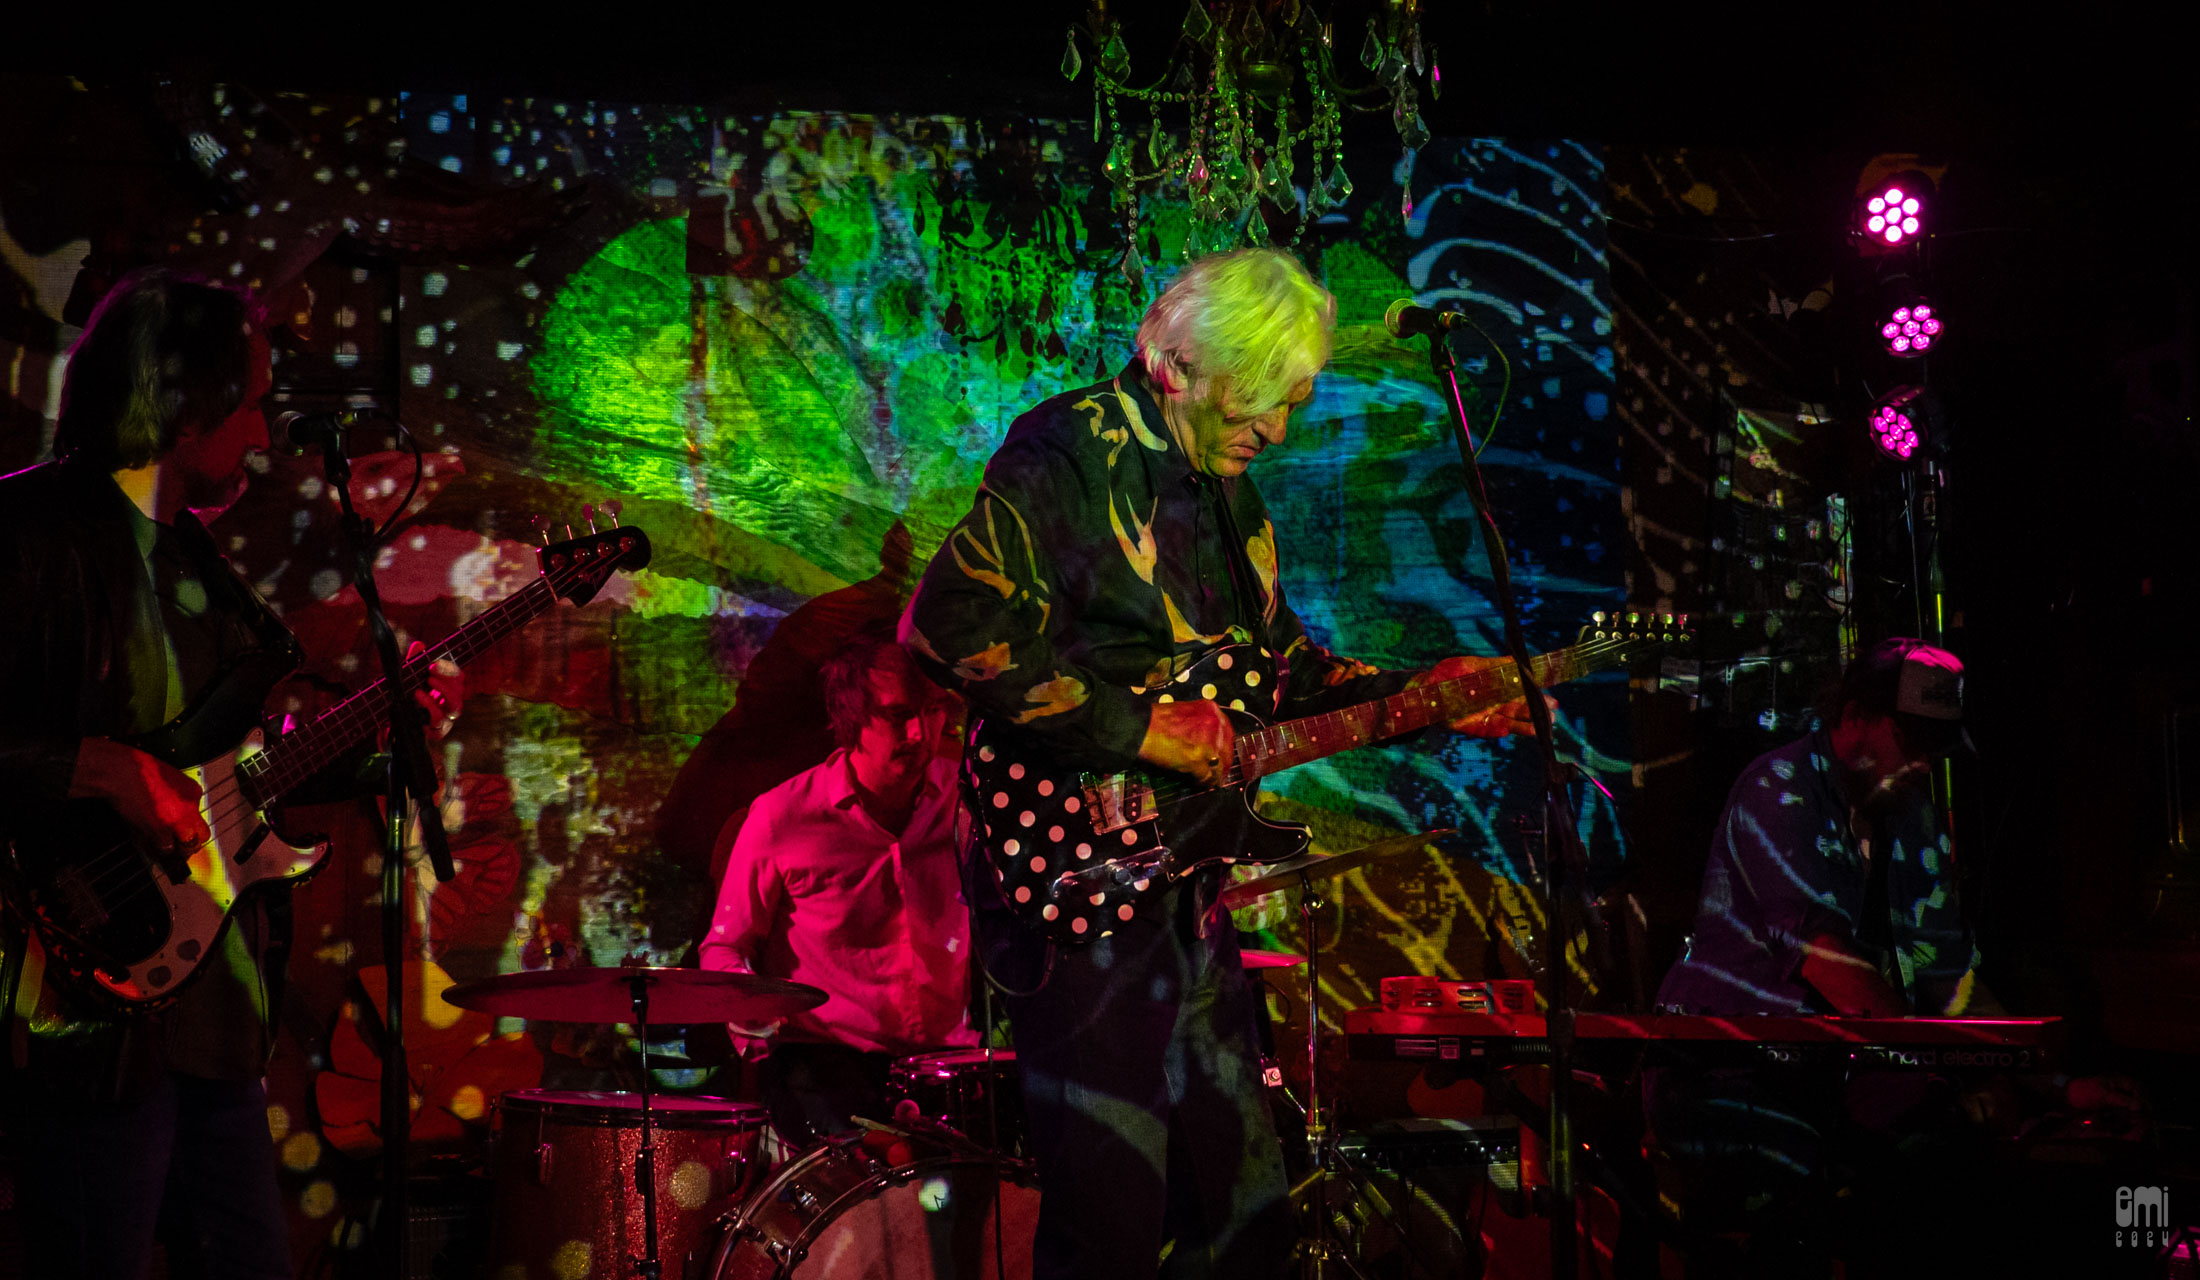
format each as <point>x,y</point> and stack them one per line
<point>1296,742</point>
<point>303,753</point>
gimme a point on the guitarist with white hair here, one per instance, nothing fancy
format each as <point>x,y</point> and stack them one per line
<point>1115,541</point>
<point>120,613</point>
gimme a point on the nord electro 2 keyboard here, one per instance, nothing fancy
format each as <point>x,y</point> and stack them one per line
<point>1499,1039</point>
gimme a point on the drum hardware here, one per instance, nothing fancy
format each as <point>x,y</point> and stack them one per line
<point>976,1094</point>
<point>923,1126</point>
<point>618,995</point>
<point>1319,1247</point>
<point>1283,875</point>
<point>901,1200</point>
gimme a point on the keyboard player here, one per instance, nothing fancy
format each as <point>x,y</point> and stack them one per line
<point>1830,889</point>
<point>1831,886</point>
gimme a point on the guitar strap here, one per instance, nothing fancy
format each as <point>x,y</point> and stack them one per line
<point>1245,611</point>
<point>1246,619</point>
<point>220,580</point>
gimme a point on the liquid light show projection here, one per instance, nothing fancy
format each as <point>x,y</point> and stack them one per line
<point>783,346</point>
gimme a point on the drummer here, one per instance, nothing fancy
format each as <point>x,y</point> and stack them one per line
<point>844,877</point>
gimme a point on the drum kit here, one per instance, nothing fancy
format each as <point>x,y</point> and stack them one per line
<point>611,1184</point>
<point>604,1184</point>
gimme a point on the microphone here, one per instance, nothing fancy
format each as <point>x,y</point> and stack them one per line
<point>1404,320</point>
<point>297,432</point>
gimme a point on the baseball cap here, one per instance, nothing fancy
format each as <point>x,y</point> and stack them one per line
<point>1928,700</point>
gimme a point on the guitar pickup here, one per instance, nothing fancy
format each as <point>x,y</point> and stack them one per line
<point>81,897</point>
<point>1116,801</point>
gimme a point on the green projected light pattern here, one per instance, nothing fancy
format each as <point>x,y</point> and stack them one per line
<point>769,425</point>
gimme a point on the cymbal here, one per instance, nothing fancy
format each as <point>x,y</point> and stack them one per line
<point>676,996</point>
<point>1253,958</point>
<point>1282,875</point>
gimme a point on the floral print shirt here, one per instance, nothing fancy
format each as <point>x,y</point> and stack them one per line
<point>1095,564</point>
<point>1788,863</point>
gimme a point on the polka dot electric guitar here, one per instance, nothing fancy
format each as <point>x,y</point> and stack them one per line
<point>1077,854</point>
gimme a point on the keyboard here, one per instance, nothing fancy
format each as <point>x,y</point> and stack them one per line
<point>1925,1044</point>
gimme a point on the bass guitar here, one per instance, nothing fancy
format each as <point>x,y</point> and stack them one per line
<point>129,926</point>
<point>1076,853</point>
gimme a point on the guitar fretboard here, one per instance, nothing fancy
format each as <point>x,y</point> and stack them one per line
<point>301,754</point>
<point>1296,742</point>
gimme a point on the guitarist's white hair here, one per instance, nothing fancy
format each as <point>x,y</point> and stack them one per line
<point>1252,318</point>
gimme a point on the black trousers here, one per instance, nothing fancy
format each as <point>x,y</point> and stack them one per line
<point>186,1157</point>
<point>812,1089</point>
<point>1142,1090</point>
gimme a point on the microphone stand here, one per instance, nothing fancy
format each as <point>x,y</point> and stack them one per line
<point>1561,836</point>
<point>409,777</point>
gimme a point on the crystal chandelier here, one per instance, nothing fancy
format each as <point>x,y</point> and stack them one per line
<point>1247,118</point>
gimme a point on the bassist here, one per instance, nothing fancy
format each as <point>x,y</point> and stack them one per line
<point>1116,538</point>
<point>119,611</point>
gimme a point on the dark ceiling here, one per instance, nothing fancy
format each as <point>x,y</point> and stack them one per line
<point>1930,77</point>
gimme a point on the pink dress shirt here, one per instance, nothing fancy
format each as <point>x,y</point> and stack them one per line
<point>818,891</point>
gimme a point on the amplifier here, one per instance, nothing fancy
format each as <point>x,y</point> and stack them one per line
<point>1491,1142</point>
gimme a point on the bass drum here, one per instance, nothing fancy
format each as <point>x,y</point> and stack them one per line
<point>885,1205</point>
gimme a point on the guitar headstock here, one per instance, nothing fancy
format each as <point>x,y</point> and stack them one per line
<point>1636,628</point>
<point>578,567</point>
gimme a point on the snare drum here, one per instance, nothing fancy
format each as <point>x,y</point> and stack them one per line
<point>566,1205</point>
<point>884,1206</point>
<point>976,1092</point>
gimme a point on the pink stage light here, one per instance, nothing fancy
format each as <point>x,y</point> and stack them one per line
<point>1899,423</point>
<point>1894,432</point>
<point>1911,329</point>
<point>1893,215</point>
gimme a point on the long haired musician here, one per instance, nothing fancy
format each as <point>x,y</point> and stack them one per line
<point>119,613</point>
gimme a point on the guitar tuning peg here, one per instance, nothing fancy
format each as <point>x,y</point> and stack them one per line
<point>1598,617</point>
<point>588,513</point>
<point>611,508</point>
<point>542,528</point>
<point>569,532</point>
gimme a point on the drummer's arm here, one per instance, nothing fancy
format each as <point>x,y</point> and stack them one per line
<point>750,899</point>
<point>737,922</point>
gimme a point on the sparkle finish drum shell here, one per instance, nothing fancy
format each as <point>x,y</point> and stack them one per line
<point>566,1207</point>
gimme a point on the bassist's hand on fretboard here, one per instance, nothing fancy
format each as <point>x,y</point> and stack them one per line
<point>443,695</point>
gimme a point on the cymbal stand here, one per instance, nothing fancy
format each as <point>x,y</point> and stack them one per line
<point>645,1157</point>
<point>1324,1255</point>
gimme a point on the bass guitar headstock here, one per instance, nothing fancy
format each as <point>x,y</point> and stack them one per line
<point>578,567</point>
<point>1638,631</point>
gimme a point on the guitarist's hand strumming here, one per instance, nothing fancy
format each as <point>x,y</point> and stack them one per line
<point>1191,737</point>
